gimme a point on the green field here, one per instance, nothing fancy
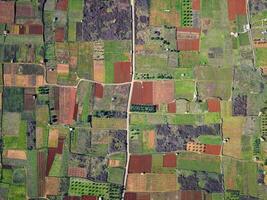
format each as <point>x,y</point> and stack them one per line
<point>261,58</point>
<point>32,173</point>
<point>184,89</point>
<point>116,175</point>
<point>198,162</point>
<point>210,139</point>
<point>79,187</point>
<point>85,60</point>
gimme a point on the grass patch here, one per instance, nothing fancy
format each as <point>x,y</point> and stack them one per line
<point>184,89</point>
<point>210,139</point>
<point>261,58</point>
<point>116,175</point>
<point>85,60</point>
<point>198,162</point>
<point>56,167</point>
<point>32,175</point>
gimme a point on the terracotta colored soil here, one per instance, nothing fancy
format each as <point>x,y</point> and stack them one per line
<point>62,68</point>
<point>142,93</point>
<point>151,139</point>
<point>6,12</point>
<point>67,101</point>
<point>188,39</point>
<point>191,195</point>
<point>188,45</point>
<point>62,5</point>
<point>169,160</point>
<point>195,4</point>
<point>99,90</point>
<point>50,159</point>
<point>77,172</point>
<point>172,107</point>
<point>130,196</point>
<point>213,149</point>
<point>16,154</point>
<point>59,35</point>
<point>235,8</point>
<point>214,105</point>
<point>163,91</point>
<point>35,29</point>
<point>88,197</point>
<point>140,163</point>
<point>122,72</point>
<point>99,70</point>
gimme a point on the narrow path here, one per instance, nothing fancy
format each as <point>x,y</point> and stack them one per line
<point>129,100</point>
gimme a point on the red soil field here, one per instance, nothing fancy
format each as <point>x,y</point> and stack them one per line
<point>50,159</point>
<point>235,8</point>
<point>142,93</point>
<point>75,114</point>
<point>140,163</point>
<point>188,45</point>
<point>35,29</point>
<point>59,35</point>
<point>169,160</point>
<point>67,102</point>
<point>62,5</point>
<point>99,90</point>
<point>213,149</point>
<point>195,4</point>
<point>24,10</point>
<point>7,9</point>
<point>172,107</point>
<point>60,145</point>
<point>188,39</point>
<point>88,197</point>
<point>122,72</point>
<point>41,171</point>
<point>130,196</point>
<point>191,195</point>
<point>214,105</point>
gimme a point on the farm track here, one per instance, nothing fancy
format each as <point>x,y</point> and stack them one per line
<point>129,100</point>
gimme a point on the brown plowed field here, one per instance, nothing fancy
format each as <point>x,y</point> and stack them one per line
<point>169,160</point>
<point>142,93</point>
<point>99,90</point>
<point>67,103</point>
<point>140,163</point>
<point>235,8</point>
<point>122,72</point>
<point>214,105</point>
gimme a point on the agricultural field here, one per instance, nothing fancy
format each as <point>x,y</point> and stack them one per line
<point>133,99</point>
